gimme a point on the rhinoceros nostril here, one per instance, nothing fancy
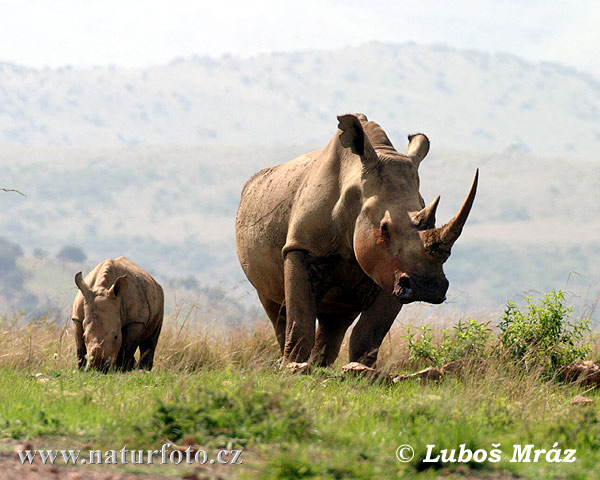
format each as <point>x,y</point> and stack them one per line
<point>402,285</point>
<point>94,351</point>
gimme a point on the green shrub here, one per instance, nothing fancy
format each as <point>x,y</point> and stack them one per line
<point>543,334</point>
<point>467,340</point>
<point>421,346</point>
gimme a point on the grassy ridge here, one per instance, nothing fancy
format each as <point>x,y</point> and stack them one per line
<point>218,391</point>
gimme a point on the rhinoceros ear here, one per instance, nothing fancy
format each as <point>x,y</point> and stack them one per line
<point>353,136</point>
<point>119,287</point>
<point>83,287</point>
<point>418,146</point>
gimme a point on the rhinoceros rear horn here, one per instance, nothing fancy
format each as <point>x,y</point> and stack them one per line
<point>83,287</point>
<point>425,219</point>
<point>418,147</point>
<point>450,232</point>
<point>353,136</point>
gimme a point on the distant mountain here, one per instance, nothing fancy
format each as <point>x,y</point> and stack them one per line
<point>461,99</point>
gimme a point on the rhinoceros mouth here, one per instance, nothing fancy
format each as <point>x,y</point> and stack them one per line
<point>103,367</point>
<point>417,288</point>
<point>101,364</point>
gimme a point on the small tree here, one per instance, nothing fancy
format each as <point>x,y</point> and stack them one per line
<point>9,252</point>
<point>12,275</point>
<point>71,253</point>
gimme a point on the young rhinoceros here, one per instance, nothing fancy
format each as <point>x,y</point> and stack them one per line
<point>119,307</point>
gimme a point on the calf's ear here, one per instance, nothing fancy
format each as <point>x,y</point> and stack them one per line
<point>119,287</point>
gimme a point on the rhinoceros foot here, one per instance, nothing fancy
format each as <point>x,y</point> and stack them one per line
<point>296,368</point>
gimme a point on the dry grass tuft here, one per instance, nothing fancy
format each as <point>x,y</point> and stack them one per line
<point>183,346</point>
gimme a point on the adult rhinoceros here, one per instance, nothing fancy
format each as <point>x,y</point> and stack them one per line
<point>340,232</point>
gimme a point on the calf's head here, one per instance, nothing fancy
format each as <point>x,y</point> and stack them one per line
<point>102,323</point>
<point>395,239</point>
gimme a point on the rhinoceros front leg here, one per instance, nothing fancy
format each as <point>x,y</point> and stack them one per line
<point>300,306</point>
<point>372,327</point>
<point>79,343</point>
<point>330,335</point>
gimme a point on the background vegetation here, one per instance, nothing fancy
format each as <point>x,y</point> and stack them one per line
<point>150,162</point>
<point>172,211</point>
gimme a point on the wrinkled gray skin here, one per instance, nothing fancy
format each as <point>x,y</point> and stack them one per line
<point>340,232</point>
<point>119,307</point>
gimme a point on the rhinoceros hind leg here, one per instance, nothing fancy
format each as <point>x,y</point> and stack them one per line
<point>125,359</point>
<point>330,335</point>
<point>147,348</point>
<point>276,314</point>
<point>371,329</point>
<point>301,307</point>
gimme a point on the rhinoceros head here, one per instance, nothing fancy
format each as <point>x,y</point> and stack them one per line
<point>396,242</point>
<point>102,323</point>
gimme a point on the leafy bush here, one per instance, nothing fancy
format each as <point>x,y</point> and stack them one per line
<point>466,340</point>
<point>544,333</point>
<point>541,334</point>
<point>421,346</point>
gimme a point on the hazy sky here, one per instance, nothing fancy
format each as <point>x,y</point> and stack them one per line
<point>137,33</point>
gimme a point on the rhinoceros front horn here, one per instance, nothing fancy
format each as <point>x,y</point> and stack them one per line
<point>451,231</point>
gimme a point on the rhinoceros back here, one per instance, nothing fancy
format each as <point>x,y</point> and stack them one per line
<point>263,220</point>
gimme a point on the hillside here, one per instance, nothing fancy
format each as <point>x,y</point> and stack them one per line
<point>462,99</point>
<point>172,209</point>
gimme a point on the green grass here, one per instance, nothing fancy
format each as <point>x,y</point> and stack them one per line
<point>225,391</point>
<point>314,426</point>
